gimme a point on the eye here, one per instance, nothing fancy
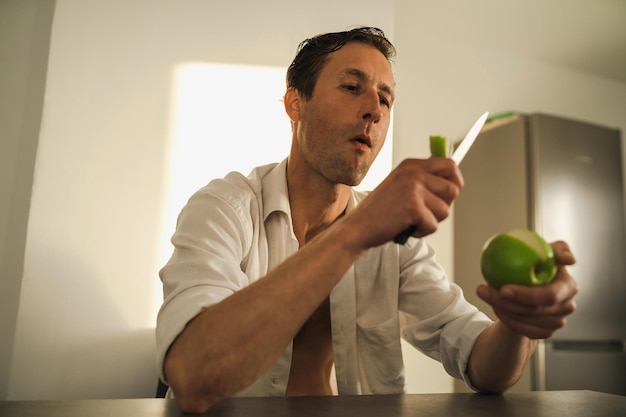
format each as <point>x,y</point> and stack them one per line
<point>384,101</point>
<point>351,87</point>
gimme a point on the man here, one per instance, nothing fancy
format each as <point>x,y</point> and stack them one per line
<point>280,275</point>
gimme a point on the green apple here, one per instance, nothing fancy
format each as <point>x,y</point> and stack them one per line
<point>439,146</point>
<point>519,256</point>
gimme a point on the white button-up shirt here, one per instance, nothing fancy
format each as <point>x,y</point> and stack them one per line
<point>235,230</point>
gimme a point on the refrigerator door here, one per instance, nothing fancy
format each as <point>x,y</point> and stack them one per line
<point>596,366</point>
<point>578,196</point>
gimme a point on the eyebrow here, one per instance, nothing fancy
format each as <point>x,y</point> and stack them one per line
<point>363,76</point>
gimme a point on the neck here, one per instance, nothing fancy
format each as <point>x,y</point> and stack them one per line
<point>315,203</point>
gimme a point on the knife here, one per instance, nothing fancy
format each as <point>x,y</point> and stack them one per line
<point>457,157</point>
<point>469,139</point>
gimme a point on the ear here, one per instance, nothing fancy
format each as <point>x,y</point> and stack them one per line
<point>292,102</point>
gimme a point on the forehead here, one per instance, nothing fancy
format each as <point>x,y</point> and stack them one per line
<point>362,57</point>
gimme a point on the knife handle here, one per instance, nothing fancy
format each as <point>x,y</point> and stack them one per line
<point>402,237</point>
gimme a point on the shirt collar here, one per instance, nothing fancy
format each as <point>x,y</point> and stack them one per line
<point>275,192</point>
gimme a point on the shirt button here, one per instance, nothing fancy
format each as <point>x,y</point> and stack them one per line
<point>275,380</point>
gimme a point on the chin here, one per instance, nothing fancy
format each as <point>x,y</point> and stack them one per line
<point>353,182</point>
<point>351,177</point>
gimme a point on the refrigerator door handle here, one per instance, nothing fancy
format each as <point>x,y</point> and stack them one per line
<point>589,345</point>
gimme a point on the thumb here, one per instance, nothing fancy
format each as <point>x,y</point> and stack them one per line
<point>562,253</point>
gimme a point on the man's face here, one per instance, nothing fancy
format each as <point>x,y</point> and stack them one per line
<point>343,126</point>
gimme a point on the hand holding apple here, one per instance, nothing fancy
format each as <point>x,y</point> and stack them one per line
<point>519,256</point>
<point>536,311</point>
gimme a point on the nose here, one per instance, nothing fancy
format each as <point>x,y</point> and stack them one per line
<point>371,110</point>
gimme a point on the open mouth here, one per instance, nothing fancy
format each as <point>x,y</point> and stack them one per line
<point>363,140</point>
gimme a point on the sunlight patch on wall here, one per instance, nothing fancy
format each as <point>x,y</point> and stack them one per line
<point>224,118</point>
<point>227,118</point>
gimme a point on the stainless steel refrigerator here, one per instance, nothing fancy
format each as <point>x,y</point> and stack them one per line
<point>562,178</point>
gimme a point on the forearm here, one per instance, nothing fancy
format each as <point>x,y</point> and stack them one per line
<point>216,357</point>
<point>498,358</point>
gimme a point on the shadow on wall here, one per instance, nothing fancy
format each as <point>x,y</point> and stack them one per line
<point>124,362</point>
<point>72,339</point>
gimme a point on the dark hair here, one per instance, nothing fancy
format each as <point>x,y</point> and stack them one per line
<point>313,53</point>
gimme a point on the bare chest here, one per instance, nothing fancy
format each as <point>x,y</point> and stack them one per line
<point>312,356</point>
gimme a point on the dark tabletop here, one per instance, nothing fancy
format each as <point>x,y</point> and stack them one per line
<point>531,404</point>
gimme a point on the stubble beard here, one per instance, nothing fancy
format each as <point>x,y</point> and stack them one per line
<point>339,167</point>
<point>328,154</point>
<point>339,171</point>
<point>334,163</point>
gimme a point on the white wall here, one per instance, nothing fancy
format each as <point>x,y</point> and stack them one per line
<point>89,287</point>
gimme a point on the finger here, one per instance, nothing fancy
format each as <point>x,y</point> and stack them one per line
<point>495,299</point>
<point>532,326</point>
<point>545,321</point>
<point>444,189</point>
<point>425,223</point>
<point>439,207</point>
<point>561,289</point>
<point>526,329</point>
<point>562,253</point>
<point>446,168</point>
<point>429,209</point>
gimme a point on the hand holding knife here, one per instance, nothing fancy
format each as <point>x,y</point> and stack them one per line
<point>457,157</point>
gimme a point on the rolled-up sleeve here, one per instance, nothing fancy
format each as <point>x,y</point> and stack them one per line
<point>438,320</point>
<point>205,267</point>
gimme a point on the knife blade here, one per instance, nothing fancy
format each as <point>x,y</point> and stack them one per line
<point>469,139</point>
<point>457,157</point>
